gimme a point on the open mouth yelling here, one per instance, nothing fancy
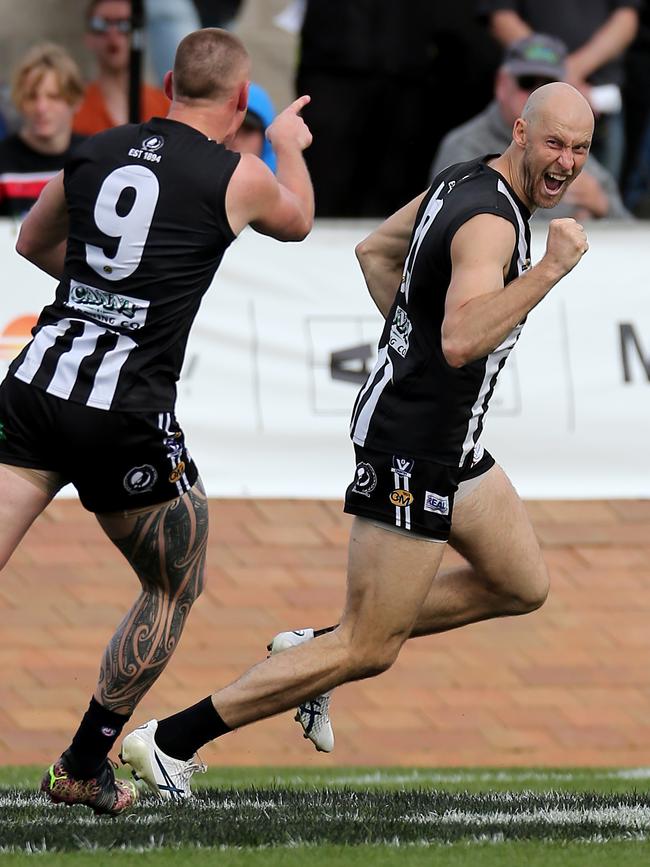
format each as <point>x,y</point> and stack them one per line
<point>554,183</point>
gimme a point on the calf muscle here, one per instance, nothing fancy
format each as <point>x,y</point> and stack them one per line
<point>166,546</point>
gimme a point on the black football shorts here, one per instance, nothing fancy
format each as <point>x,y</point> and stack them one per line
<point>117,461</point>
<point>411,494</point>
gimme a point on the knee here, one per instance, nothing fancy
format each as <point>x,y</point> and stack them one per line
<point>531,593</point>
<point>368,659</point>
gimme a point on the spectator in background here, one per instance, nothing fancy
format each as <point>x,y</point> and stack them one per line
<point>367,64</point>
<point>636,178</point>
<point>167,22</point>
<point>528,64</point>
<point>106,102</point>
<point>218,13</point>
<point>596,32</point>
<point>251,136</point>
<point>47,88</point>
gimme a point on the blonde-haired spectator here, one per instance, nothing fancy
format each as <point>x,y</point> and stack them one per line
<point>47,88</point>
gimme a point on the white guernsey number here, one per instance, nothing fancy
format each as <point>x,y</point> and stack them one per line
<point>132,228</point>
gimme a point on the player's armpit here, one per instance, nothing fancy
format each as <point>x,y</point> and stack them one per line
<point>255,197</point>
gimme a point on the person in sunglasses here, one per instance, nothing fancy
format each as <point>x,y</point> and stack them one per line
<point>106,102</point>
<point>528,64</point>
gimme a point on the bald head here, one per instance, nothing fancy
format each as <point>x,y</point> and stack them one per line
<point>561,103</point>
<point>210,64</point>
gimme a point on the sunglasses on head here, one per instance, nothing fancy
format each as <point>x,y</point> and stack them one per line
<point>531,82</point>
<point>103,25</point>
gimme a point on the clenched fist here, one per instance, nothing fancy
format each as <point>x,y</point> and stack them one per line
<point>566,244</point>
<point>289,129</point>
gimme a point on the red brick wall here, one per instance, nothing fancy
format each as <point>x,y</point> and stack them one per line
<point>568,685</point>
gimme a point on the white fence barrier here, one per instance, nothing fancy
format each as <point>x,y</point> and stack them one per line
<point>270,371</point>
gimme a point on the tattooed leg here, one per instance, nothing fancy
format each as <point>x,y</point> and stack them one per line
<point>166,547</point>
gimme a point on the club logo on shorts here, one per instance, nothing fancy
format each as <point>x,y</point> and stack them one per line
<point>365,479</point>
<point>403,466</point>
<point>436,503</point>
<point>177,472</point>
<point>139,480</point>
<point>401,498</point>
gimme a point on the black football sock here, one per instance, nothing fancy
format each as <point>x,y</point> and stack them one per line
<point>182,734</point>
<point>318,632</point>
<point>90,746</point>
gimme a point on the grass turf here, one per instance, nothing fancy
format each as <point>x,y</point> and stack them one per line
<point>348,816</point>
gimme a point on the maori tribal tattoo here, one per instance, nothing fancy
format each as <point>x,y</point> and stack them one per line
<point>166,545</point>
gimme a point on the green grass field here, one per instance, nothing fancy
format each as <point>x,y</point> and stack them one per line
<point>527,818</point>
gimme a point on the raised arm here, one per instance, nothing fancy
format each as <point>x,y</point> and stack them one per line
<point>383,253</point>
<point>281,206</point>
<point>44,233</point>
<point>507,26</point>
<point>608,42</point>
<point>480,311</point>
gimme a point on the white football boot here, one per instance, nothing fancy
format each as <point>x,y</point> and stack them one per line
<point>167,777</point>
<point>313,714</point>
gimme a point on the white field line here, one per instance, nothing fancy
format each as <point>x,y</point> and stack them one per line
<point>456,777</point>
<point>636,818</point>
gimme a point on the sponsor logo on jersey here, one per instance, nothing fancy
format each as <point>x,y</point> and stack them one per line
<point>436,503</point>
<point>399,332</point>
<point>108,732</point>
<point>403,466</point>
<point>120,311</point>
<point>177,473</point>
<point>365,479</point>
<point>139,480</point>
<point>401,498</point>
<point>153,143</point>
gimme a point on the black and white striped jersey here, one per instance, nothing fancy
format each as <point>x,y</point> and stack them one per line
<point>413,403</point>
<point>147,231</point>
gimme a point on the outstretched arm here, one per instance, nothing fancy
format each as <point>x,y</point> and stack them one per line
<point>383,253</point>
<point>480,311</point>
<point>507,26</point>
<point>281,206</point>
<point>608,42</point>
<point>44,233</point>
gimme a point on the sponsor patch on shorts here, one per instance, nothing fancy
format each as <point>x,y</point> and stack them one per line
<point>436,503</point>
<point>401,498</point>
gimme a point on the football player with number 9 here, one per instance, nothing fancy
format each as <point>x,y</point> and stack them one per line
<point>133,230</point>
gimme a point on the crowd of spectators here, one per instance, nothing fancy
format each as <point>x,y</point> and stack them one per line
<point>399,90</point>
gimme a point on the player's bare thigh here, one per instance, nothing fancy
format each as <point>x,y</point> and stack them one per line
<point>24,493</point>
<point>389,577</point>
<point>492,530</point>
